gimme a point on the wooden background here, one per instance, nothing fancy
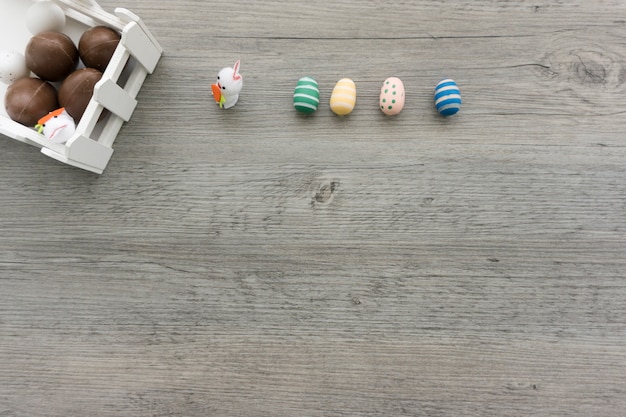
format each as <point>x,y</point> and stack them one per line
<point>256,262</point>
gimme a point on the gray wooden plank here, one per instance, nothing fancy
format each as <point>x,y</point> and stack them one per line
<point>256,262</point>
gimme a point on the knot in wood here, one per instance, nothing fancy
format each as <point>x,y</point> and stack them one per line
<point>590,67</point>
<point>325,192</point>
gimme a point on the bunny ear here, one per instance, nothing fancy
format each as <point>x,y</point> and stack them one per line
<point>236,75</point>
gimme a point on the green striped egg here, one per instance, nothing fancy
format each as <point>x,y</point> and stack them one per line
<point>306,96</point>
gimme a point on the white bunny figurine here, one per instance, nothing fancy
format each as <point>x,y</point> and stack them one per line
<point>226,89</point>
<point>57,126</point>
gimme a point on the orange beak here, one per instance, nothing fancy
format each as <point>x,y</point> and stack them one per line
<point>217,92</point>
<point>50,115</point>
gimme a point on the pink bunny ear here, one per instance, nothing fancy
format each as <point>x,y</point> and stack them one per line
<point>236,75</point>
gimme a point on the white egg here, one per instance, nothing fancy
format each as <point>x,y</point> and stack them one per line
<point>12,66</point>
<point>43,16</point>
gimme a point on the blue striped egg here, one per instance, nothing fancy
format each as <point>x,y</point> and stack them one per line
<point>306,96</point>
<point>447,97</point>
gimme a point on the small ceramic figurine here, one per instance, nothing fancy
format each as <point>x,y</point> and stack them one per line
<point>226,89</point>
<point>57,126</point>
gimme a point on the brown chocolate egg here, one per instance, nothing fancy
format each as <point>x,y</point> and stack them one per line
<point>77,90</point>
<point>51,55</point>
<point>28,99</point>
<point>97,45</point>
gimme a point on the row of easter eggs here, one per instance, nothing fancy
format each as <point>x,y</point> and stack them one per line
<point>306,96</point>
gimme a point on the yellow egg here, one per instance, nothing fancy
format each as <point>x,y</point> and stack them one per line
<point>343,97</point>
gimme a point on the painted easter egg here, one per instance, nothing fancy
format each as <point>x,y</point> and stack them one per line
<point>343,97</point>
<point>447,97</point>
<point>306,96</point>
<point>392,96</point>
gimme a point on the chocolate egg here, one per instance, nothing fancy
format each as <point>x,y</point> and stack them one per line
<point>28,99</point>
<point>97,45</point>
<point>306,96</point>
<point>343,97</point>
<point>51,55</point>
<point>447,97</point>
<point>392,96</point>
<point>77,90</point>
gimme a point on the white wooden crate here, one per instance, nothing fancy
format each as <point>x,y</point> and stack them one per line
<point>136,56</point>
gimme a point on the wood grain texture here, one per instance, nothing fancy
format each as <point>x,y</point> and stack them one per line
<point>254,262</point>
